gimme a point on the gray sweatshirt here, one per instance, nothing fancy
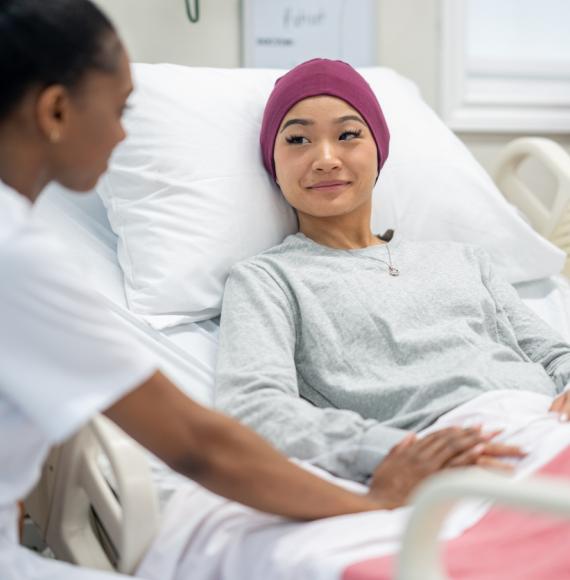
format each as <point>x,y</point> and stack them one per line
<point>332,359</point>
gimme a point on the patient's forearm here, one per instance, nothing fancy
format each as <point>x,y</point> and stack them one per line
<point>539,341</point>
<point>226,457</point>
<point>337,440</point>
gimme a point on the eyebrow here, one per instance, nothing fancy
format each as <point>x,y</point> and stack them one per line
<point>349,118</point>
<point>306,122</point>
<point>303,122</point>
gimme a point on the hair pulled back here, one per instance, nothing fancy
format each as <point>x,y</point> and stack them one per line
<point>46,42</point>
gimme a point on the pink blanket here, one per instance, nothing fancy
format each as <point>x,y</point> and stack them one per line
<point>503,544</point>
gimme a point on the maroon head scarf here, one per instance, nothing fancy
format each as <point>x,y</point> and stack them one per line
<point>322,77</point>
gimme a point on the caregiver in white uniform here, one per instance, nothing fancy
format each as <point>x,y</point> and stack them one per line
<point>65,81</point>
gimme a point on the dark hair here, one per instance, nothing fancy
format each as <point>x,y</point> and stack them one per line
<point>45,42</point>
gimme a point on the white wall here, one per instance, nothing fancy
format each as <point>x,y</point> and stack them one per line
<point>408,41</point>
<point>159,31</point>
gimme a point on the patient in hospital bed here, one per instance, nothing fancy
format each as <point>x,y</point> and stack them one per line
<point>337,343</point>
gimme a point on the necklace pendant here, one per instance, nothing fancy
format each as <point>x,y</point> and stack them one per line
<point>393,271</point>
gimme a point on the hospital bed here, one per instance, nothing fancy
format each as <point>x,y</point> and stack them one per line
<point>104,513</point>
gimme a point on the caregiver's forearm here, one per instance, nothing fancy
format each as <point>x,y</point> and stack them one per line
<point>240,465</point>
<point>226,457</point>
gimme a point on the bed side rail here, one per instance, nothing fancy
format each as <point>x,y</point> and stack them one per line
<point>551,222</point>
<point>420,557</point>
<point>128,511</point>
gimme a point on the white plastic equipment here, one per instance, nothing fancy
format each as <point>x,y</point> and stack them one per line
<point>551,222</point>
<point>127,514</point>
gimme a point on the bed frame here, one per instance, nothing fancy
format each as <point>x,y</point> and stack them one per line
<point>85,519</point>
<point>420,556</point>
<point>552,221</point>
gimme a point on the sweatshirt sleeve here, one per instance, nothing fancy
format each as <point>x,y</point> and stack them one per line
<point>257,383</point>
<point>539,341</point>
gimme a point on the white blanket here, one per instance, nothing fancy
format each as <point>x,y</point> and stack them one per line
<point>205,537</point>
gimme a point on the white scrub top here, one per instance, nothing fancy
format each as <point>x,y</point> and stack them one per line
<point>63,358</point>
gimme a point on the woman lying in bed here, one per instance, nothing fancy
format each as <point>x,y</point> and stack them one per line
<point>337,343</point>
<point>335,359</point>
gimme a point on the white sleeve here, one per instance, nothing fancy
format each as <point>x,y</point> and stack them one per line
<point>63,357</point>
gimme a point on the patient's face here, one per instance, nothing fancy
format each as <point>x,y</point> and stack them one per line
<point>325,158</point>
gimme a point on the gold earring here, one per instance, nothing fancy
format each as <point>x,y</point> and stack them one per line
<point>54,136</point>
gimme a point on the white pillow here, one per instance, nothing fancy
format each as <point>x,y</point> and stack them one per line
<point>187,194</point>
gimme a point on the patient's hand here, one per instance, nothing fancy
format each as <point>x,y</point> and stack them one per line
<point>413,460</point>
<point>496,455</point>
<point>561,404</point>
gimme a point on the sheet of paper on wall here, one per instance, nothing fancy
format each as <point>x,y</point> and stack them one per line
<point>283,33</point>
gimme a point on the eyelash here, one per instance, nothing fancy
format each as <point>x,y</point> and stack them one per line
<point>294,139</point>
<point>297,139</point>
<point>353,132</point>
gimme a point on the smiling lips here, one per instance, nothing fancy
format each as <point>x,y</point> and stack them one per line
<point>331,185</point>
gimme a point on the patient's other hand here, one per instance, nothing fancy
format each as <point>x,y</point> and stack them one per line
<point>561,404</point>
<point>413,460</point>
<point>495,455</point>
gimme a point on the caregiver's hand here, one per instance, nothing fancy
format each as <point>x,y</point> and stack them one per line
<point>413,459</point>
<point>561,404</point>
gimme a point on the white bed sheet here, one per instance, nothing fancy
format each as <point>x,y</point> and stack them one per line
<point>185,353</point>
<point>205,537</point>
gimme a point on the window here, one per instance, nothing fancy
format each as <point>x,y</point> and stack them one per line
<point>506,65</point>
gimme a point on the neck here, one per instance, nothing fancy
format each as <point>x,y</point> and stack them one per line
<point>344,232</point>
<point>22,163</point>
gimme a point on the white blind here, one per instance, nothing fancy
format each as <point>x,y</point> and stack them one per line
<point>518,37</point>
<point>506,65</point>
